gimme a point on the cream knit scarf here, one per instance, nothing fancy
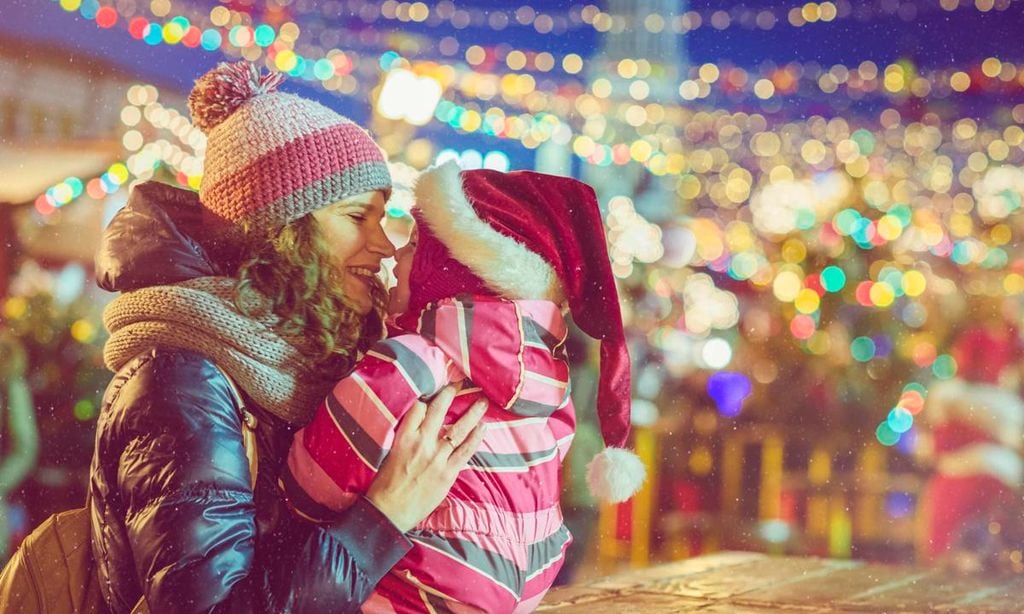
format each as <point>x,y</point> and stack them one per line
<point>200,314</point>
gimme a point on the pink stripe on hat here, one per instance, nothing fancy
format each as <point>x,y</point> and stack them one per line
<point>296,165</point>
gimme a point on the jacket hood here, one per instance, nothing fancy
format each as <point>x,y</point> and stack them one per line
<point>513,350</point>
<point>154,240</point>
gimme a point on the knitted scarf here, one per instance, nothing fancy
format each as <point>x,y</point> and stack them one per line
<point>200,314</point>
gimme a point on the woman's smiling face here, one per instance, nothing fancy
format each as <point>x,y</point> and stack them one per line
<point>356,242</point>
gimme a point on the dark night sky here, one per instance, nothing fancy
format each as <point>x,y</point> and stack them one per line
<point>934,39</point>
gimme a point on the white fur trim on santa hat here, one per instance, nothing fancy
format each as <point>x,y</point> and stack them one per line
<point>616,474</point>
<point>993,409</point>
<point>504,264</point>
<point>989,459</point>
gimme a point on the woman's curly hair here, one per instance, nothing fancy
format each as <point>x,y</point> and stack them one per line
<point>293,269</point>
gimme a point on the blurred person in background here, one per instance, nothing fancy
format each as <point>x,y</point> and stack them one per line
<point>19,438</point>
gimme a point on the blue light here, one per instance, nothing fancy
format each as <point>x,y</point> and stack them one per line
<point>728,390</point>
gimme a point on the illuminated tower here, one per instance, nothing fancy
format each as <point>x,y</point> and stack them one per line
<point>640,30</point>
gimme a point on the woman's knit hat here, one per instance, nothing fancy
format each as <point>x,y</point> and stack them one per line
<point>273,157</point>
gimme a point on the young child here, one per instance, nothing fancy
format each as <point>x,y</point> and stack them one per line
<point>482,285</point>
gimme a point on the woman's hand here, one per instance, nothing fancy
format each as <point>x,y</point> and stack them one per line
<point>423,464</point>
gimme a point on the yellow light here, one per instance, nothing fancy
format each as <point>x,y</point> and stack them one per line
<point>914,283</point>
<point>516,60</point>
<point>654,23</point>
<point>639,90</point>
<point>83,331</point>
<point>119,171</point>
<point>475,55</point>
<point>960,81</point>
<point>794,251</point>
<point>787,286</point>
<point>419,12</point>
<point>602,88</point>
<point>640,150</point>
<point>70,5</point>
<point>194,181</point>
<point>544,61</point>
<point>810,12</point>
<point>173,33</point>
<point>160,8</point>
<point>15,308</point>
<point>289,32</point>
<point>220,16</point>
<point>286,60</point>
<point>894,81</point>
<point>764,89</point>
<point>882,294</point>
<point>708,73</point>
<point>807,301</point>
<point>960,224</point>
<point>998,150</point>
<point>1013,284</point>
<point>572,63</point>
<point>627,68</point>
<point>1001,234</point>
<point>991,67</point>
<point>889,227</point>
<point>471,121</point>
<point>813,151</point>
<point>583,146</point>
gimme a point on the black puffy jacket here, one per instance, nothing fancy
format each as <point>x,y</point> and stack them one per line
<point>173,513</point>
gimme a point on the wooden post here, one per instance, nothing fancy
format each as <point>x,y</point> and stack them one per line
<point>770,501</point>
<point>819,472</point>
<point>732,476</point>
<point>871,490</point>
<point>839,539</point>
<point>646,443</point>
<point>608,540</point>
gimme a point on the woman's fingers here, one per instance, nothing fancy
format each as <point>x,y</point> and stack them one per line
<point>412,420</point>
<point>458,432</point>
<point>431,426</point>
<point>461,455</point>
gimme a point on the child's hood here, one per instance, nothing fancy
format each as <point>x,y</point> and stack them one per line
<point>512,349</point>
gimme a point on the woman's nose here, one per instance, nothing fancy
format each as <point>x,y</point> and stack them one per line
<point>381,245</point>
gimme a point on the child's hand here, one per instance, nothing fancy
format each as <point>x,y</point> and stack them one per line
<point>423,464</point>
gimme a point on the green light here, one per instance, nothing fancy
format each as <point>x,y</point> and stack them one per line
<point>264,35</point>
<point>323,69</point>
<point>864,140</point>
<point>862,349</point>
<point>944,367</point>
<point>85,410</point>
<point>885,435</point>
<point>833,279</point>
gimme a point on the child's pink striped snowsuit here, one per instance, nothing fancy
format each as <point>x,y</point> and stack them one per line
<point>497,541</point>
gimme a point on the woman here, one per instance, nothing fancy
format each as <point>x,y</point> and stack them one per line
<point>269,278</point>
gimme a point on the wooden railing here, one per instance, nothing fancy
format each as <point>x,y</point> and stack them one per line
<point>840,511</point>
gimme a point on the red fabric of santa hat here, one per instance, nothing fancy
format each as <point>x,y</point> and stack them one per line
<point>529,235</point>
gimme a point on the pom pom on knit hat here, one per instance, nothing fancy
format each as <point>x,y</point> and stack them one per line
<point>220,92</point>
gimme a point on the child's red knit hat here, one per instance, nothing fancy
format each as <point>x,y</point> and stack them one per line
<point>527,235</point>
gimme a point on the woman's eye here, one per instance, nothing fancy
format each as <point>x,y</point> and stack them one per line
<point>359,217</point>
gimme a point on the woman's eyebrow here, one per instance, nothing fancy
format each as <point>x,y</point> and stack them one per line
<point>348,206</point>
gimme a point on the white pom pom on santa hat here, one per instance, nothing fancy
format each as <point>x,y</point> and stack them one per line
<point>615,475</point>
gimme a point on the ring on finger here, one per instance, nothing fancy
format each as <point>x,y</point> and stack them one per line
<point>451,442</point>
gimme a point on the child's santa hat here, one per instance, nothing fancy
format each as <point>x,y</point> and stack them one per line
<point>528,235</point>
